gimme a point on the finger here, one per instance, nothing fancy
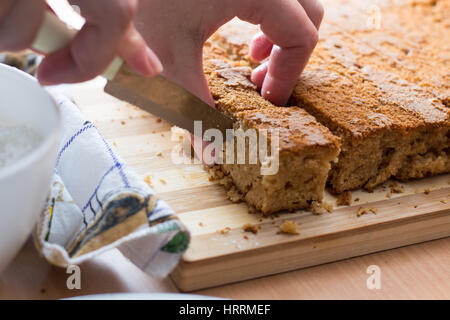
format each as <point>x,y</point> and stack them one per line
<point>134,50</point>
<point>20,21</point>
<point>261,47</point>
<point>259,74</point>
<point>95,46</point>
<point>315,11</point>
<point>290,28</point>
<point>5,8</point>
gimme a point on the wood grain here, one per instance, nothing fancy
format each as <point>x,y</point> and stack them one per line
<point>214,259</point>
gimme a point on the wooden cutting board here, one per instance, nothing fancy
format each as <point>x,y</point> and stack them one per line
<point>421,212</point>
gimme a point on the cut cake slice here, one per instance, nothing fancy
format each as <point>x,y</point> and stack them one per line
<point>306,148</point>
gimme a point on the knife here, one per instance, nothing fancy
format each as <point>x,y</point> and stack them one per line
<point>158,95</point>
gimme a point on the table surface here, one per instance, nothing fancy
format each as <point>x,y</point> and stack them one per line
<point>414,272</point>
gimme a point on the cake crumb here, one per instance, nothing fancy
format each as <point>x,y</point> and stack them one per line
<point>200,224</point>
<point>427,191</point>
<point>148,180</point>
<point>327,206</point>
<point>224,231</point>
<point>356,200</point>
<point>159,120</point>
<point>316,208</point>
<point>251,210</point>
<point>123,122</point>
<point>163,181</point>
<point>234,195</point>
<point>248,227</point>
<point>289,227</point>
<point>396,188</point>
<point>362,211</point>
<point>159,154</point>
<point>345,199</point>
<point>245,237</point>
<point>319,208</point>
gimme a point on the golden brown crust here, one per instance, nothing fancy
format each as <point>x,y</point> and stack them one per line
<point>235,37</point>
<point>384,90</point>
<point>306,148</point>
<point>372,88</point>
<point>297,129</point>
<point>410,38</point>
<point>236,95</point>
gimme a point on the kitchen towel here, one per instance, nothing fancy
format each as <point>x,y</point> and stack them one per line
<point>98,203</point>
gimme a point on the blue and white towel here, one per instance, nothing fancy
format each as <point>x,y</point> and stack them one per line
<point>98,203</point>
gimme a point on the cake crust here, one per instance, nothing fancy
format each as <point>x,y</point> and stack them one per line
<point>384,90</point>
<point>305,147</point>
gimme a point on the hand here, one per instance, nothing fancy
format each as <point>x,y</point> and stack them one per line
<point>177,30</point>
<point>109,31</point>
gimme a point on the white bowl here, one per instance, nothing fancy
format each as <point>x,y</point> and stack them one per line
<point>25,184</point>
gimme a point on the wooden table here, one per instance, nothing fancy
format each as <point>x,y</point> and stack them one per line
<point>414,272</point>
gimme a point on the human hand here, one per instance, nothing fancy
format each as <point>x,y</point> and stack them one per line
<point>109,31</point>
<point>177,30</point>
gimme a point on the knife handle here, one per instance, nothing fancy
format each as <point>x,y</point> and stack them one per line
<point>54,35</point>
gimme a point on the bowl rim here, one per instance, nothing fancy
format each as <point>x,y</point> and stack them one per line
<point>47,143</point>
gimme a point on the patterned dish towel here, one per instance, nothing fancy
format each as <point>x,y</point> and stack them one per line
<point>98,203</point>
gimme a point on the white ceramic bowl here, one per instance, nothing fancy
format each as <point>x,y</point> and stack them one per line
<point>24,185</point>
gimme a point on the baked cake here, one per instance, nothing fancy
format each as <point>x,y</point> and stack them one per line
<point>381,86</point>
<point>306,148</point>
<point>383,91</point>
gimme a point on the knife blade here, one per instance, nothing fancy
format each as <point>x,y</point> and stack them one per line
<point>167,100</point>
<point>159,96</point>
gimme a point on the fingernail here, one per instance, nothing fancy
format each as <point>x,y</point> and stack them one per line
<point>259,74</point>
<point>154,65</point>
<point>262,67</point>
<point>258,35</point>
